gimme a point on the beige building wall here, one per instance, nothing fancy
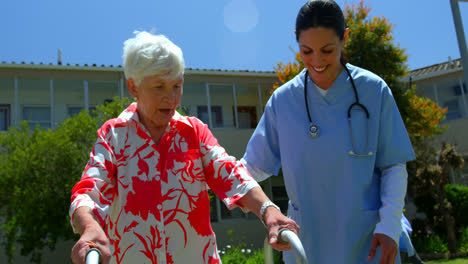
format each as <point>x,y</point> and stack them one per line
<point>443,83</point>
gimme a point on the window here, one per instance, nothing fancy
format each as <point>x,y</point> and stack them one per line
<point>248,104</point>
<point>247,116</point>
<point>101,90</point>
<point>222,95</point>
<point>216,115</point>
<point>4,117</point>
<point>37,115</point>
<point>453,111</point>
<point>67,94</point>
<point>280,197</point>
<point>74,110</point>
<point>218,206</point>
<point>213,206</point>
<point>458,91</point>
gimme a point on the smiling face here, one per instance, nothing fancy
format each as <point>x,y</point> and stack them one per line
<point>320,51</point>
<point>157,98</point>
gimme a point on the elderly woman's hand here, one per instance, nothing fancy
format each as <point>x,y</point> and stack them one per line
<point>93,237</point>
<point>274,221</point>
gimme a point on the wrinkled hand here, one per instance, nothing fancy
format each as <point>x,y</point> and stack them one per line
<point>388,247</point>
<point>91,238</point>
<point>274,221</point>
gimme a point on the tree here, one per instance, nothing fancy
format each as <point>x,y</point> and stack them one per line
<point>370,45</point>
<point>38,169</point>
<point>433,179</point>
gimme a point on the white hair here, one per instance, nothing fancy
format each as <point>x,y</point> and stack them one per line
<point>147,54</point>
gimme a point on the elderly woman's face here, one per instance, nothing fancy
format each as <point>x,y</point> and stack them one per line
<point>158,98</point>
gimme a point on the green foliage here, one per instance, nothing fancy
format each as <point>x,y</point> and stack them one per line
<point>371,45</point>
<point>421,116</point>
<point>463,241</point>
<point>458,197</point>
<point>457,201</point>
<point>448,261</point>
<point>111,110</point>
<point>38,169</point>
<point>239,252</point>
<point>426,240</point>
<point>286,72</point>
<point>433,178</point>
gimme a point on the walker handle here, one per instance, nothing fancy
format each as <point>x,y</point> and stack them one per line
<point>286,236</point>
<point>93,256</point>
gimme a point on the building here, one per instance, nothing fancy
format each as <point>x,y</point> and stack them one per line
<point>230,102</point>
<point>444,84</point>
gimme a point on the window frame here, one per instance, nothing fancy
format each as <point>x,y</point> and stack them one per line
<point>7,114</point>
<point>49,121</point>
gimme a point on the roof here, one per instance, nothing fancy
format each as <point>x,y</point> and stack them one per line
<point>421,73</point>
<point>119,68</point>
<point>436,69</point>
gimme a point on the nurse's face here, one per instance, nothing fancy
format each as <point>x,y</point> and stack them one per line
<point>320,51</point>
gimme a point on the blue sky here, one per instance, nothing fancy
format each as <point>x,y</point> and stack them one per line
<point>213,34</point>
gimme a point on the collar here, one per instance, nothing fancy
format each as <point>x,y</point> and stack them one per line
<point>130,114</point>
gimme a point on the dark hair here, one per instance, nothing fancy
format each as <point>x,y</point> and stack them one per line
<point>320,13</point>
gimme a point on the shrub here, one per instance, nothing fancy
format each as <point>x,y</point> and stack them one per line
<point>38,169</point>
<point>425,239</point>
<point>458,197</point>
<point>240,253</point>
<point>463,241</point>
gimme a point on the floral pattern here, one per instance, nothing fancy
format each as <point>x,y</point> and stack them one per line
<point>152,200</point>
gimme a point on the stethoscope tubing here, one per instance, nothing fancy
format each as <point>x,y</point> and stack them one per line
<point>314,129</point>
<point>356,95</point>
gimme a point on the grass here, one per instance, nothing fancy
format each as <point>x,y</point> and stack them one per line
<point>448,261</point>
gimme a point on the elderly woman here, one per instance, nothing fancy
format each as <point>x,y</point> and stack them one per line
<point>143,196</point>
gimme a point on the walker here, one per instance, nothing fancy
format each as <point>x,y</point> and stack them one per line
<point>93,256</point>
<point>288,237</point>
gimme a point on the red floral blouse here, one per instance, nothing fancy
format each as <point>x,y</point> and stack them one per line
<point>152,200</point>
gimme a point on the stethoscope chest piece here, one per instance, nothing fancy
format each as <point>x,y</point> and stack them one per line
<point>314,131</point>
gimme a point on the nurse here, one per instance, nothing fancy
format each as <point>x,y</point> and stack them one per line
<point>338,136</point>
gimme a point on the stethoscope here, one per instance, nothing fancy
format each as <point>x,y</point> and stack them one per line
<point>314,130</point>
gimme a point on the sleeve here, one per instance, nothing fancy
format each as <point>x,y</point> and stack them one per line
<point>392,195</point>
<point>263,150</point>
<point>96,187</point>
<point>258,174</point>
<point>225,176</point>
<point>405,240</point>
<point>394,145</point>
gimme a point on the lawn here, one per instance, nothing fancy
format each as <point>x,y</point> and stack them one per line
<point>448,261</point>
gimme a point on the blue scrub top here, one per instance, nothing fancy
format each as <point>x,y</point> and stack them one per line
<point>334,196</point>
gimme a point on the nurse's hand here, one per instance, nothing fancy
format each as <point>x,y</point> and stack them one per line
<point>274,221</point>
<point>388,247</point>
